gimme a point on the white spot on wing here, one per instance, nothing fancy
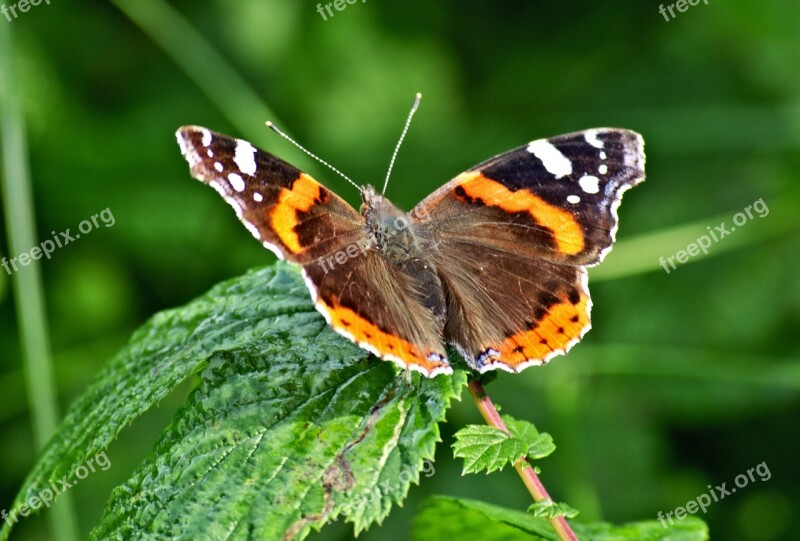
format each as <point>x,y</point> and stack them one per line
<point>218,166</point>
<point>589,184</point>
<point>552,158</point>
<point>603,169</point>
<point>245,157</point>
<point>237,182</point>
<point>574,199</point>
<point>206,140</point>
<point>257,197</point>
<point>633,157</point>
<point>591,138</point>
<point>210,153</point>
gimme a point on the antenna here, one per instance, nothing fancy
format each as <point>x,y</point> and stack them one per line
<point>277,130</point>
<point>400,142</point>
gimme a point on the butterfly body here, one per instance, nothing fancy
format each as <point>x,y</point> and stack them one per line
<point>493,262</point>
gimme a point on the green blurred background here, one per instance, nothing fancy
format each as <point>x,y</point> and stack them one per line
<point>687,379</point>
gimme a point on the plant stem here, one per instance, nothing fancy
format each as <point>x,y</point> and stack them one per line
<point>27,282</point>
<point>523,467</point>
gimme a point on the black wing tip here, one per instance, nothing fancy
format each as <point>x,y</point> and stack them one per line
<point>632,151</point>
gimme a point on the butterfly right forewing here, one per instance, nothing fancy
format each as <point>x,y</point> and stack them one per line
<point>511,238</point>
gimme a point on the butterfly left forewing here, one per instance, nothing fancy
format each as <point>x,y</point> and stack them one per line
<point>292,214</point>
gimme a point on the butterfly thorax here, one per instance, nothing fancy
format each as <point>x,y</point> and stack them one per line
<point>402,242</point>
<point>390,230</point>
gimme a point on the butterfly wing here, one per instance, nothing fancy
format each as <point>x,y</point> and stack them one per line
<point>359,294</point>
<point>511,238</point>
<point>554,198</point>
<point>378,306</point>
<point>292,214</point>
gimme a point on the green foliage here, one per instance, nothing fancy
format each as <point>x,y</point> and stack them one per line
<point>539,444</point>
<point>551,509</point>
<point>488,448</point>
<point>289,427</point>
<point>492,523</point>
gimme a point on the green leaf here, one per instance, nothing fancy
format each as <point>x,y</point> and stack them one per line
<point>493,523</point>
<point>539,444</point>
<point>444,518</point>
<point>551,509</point>
<point>486,448</point>
<point>289,427</point>
<point>689,529</point>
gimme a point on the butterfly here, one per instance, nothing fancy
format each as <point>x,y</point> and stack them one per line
<point>493,262</point>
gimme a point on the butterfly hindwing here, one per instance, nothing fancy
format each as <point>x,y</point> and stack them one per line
<point>508,311</point>
<point>376,305</point>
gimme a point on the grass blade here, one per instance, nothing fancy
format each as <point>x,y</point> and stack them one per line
<point>27,282</point>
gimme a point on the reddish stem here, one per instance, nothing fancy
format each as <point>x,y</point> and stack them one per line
<point>523,467</point>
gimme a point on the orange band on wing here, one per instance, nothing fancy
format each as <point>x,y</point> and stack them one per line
<point>304,194</point>
<point>567,232</point>
<point>562,324</point>
<point>347,322</point>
